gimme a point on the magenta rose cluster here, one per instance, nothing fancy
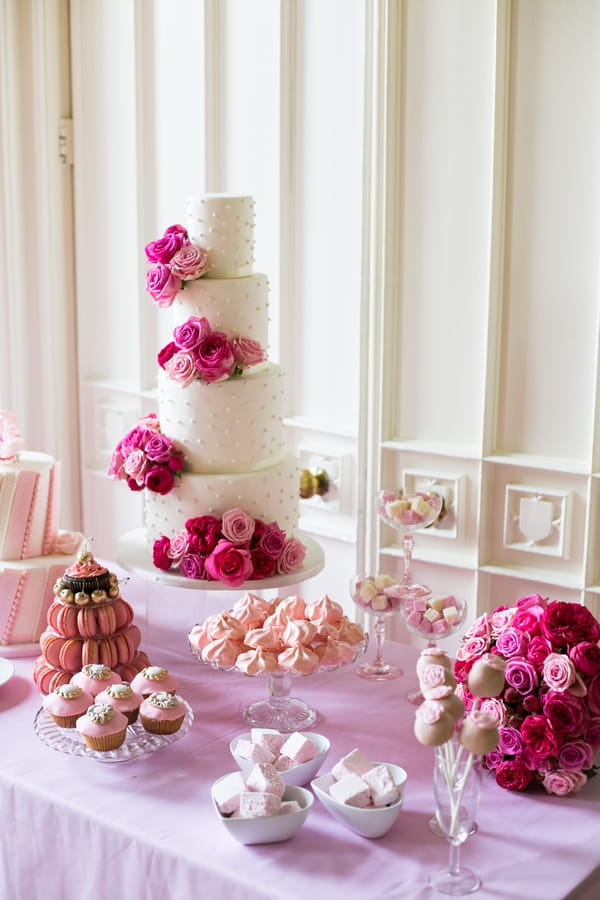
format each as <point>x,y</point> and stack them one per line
<point>549,710</point>
<point>232,549</point>
<point>175,260</point>
<point>199,353</point>
<point>146,458</point>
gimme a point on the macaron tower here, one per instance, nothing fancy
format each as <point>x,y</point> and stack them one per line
<point>88,623</point>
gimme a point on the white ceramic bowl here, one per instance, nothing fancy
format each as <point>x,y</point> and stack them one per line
<point>268,829</point>
<point>299,775</point>
<point>372,822</point>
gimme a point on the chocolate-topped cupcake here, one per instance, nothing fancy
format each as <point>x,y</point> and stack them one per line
<point>86,581</point>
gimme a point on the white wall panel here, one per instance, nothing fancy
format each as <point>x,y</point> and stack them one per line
<point>447,158</point>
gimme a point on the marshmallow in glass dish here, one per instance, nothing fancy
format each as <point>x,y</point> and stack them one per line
<point>408,512</point>
<point>378,596</point>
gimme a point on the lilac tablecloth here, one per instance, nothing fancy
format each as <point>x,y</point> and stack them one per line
<point>146,830</point>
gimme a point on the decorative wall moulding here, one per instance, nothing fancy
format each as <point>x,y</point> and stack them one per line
<point>537,521</point>
<point>450,487</point>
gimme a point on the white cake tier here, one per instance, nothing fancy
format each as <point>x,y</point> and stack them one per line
<point>29,494</point>
<point>269,494</point>
<point>223,224</point>
<point>226,426</point>
<point>26,592</point>
<point>239,307</point>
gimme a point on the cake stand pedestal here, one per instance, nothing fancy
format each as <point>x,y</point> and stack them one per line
<point>134,555</point>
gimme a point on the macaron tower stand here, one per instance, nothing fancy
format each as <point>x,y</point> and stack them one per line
<point>89,623</point>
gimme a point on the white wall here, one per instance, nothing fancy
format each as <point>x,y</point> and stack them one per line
<point>426,180</point>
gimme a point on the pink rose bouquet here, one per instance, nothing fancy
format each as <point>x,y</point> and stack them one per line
<point>175,261</point>
<point>548,712</point>
<point>232,549</point>
<point>199,353</point>
<point>146,458</point>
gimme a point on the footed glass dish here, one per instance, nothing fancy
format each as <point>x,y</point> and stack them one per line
<point>138,742</point>
<point>279,710</point>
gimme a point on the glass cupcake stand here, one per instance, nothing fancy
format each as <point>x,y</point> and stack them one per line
<point>138,742</point>
<point>278,710</point>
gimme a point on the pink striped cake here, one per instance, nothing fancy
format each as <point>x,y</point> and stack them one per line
<point>33,551</point>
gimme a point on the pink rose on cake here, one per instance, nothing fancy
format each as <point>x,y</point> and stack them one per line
<point>162,285</point>
<point>229,563</point>
<point>215,359</point>
<point>247,351</point>
<point>146,458</point>
<point>11,442</point>
<point>182,368</point>
<point>204,533</point>
<point>237,526</point>
<point>189,262</point>
<point>198,352</point>
<point>165,248</point>
<point>292,556</point>
<point>176,261</point>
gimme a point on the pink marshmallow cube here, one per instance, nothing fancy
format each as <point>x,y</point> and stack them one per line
<point>381,785</point>
<point>227,793</point>
<point>289,806</point>
<point>439,627</point>
<point>351,790</point>
<point>268,738</point>
<point>299,748</point>
<point>258,803</point>
<point>264,778</point>
<point>284,763</point>
<point>424,626</point>
<point>254,752</point>
<point>414,619</point>
<point>420,604</point>
<point>354,763</point>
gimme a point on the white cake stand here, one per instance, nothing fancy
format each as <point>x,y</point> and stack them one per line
<point>134,554</point>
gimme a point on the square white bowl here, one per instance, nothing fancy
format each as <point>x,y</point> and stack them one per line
<point>268,829</point>
<point>370,822</point>
<point>299,775</point>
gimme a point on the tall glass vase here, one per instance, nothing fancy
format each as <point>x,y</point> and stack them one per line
<point>456,784</point>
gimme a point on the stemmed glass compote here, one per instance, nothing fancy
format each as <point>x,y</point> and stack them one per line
<point>456,784</point>
<point>435,617</point>
<point>377,596</point>
<point>408,513</point>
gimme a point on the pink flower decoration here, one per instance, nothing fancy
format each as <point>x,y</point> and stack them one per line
<point>550,731</point>
<point>145,458</point>
<point>162,285</point>
<point>182,368</point>
<point>11,441</point>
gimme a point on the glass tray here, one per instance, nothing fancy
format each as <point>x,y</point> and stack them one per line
<point>138,742</point>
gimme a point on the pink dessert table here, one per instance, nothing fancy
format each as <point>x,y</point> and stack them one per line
<point>145,829</point>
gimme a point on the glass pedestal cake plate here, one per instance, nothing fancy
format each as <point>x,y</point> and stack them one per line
<point>279,710</point>
<point>138,742</point>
